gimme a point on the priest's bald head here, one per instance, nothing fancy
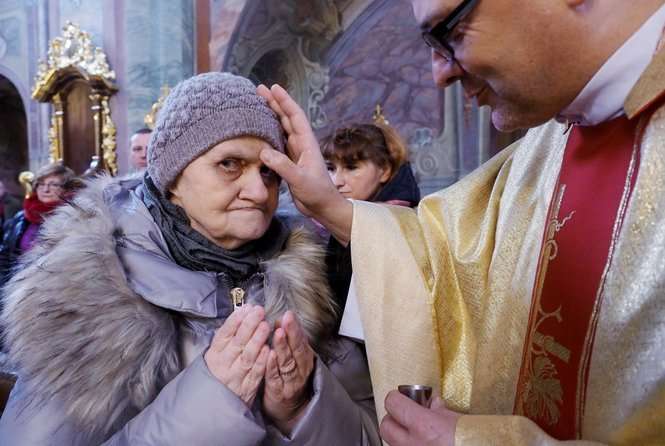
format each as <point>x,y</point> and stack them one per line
<point>527,59</point>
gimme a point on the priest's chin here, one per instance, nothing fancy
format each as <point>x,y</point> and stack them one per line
<point>507,118</point>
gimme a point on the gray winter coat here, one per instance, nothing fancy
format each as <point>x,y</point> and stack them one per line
<point>108,333</point>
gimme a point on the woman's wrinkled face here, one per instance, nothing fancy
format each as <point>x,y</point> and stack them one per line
<point>229,195</point>
<point>358,180</point>
<point>49,189</point>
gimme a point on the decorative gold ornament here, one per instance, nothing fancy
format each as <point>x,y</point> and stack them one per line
<point>25,178</point>
<point>73,48</point>
<point>54,141</point>
<point>73,58</point>
<point>108,139</point>
<point>151,118</point>
<point>378,117</point>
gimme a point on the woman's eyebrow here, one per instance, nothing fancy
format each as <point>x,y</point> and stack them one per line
<point>232,152</point>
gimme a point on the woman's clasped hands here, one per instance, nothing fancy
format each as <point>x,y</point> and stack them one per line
<point>240,358</point>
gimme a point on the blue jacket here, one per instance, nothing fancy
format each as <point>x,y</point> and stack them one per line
<point>10,250</point>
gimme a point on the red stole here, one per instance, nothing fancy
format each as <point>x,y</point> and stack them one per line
<point>597,174</point>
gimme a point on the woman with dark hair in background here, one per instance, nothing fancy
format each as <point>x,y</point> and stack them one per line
<point>366,162</point>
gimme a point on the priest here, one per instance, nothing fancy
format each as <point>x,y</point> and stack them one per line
<point>531,294</point>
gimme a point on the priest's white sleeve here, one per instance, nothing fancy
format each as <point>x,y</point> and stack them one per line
<point>351,325</point>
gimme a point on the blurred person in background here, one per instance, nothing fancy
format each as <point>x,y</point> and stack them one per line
<point>138,149</point>
<point>367,162</point>
<point>51,184</point>
<point>9,206</point>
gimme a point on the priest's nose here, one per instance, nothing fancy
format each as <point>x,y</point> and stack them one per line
<point>445,71</point>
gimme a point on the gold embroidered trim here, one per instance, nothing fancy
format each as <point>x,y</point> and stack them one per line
<point>585,359</point>
<point>542,394</point>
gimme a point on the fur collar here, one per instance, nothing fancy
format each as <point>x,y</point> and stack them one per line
<point>77,331</point>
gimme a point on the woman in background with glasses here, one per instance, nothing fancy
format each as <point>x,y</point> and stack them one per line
<point>52,182</point>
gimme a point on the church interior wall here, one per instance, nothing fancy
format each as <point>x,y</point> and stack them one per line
<point>16,41</point>
<point>339,58</point>
<point>159,45</point>
<point>13,135</point>
<point>148,44</point>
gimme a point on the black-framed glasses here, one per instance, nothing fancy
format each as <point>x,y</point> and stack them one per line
<point>437,36</point>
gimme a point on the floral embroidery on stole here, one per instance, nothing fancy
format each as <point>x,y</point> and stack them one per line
<point>597,174</point>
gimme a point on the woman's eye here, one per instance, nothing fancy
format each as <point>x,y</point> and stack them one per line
<point>330,167</point>
<point>351,166</point>
<point>230,165</point>
<point>266,172</point>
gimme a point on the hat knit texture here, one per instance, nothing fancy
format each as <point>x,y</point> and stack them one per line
<point>203,111</point>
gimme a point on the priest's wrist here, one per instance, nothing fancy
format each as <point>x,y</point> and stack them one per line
<point>337,216</point>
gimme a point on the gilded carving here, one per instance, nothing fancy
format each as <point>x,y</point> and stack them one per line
<point>378,116</point>
<point>108,139</point>
<point>73,48</point>
<point>151,118</point>
<point>72,57</point>
<point>55,132</point>
<point>53,140</point>
<point>25,178</point>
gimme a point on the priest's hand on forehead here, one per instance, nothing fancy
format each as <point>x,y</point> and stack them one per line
<point>304,169</point>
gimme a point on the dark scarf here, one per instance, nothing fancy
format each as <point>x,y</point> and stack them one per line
<point>35,210</point>
<point>402,187</point>
<point>193,251</point>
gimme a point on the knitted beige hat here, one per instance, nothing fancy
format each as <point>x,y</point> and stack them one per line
<point>201,112</point>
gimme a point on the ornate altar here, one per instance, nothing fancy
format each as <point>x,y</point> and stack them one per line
<point>77,81</point>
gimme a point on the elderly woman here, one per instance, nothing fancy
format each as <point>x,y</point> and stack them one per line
<point>176,309</point>
<point>50,185</point>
